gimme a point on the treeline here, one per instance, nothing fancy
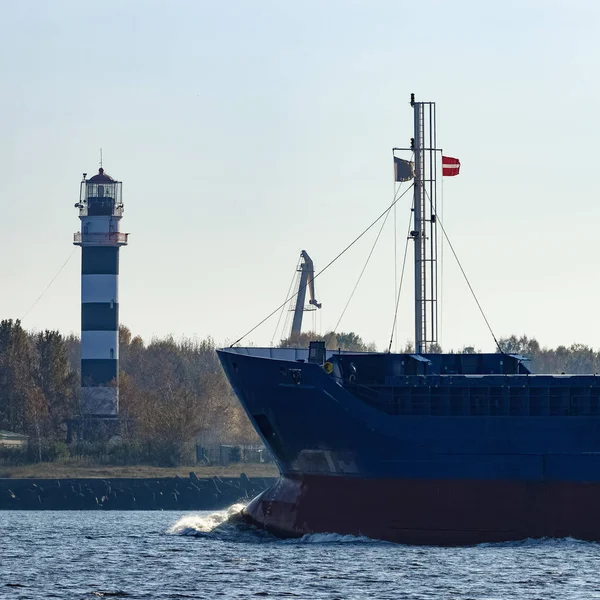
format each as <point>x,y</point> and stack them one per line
<point>170,392</point>
<point>38,384</point>
<point>333,341</point>
<point>576,358</point>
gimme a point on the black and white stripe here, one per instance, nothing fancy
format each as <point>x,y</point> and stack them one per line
<point>100,330</point>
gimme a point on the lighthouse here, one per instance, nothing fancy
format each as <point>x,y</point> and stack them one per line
<point>100,210</point>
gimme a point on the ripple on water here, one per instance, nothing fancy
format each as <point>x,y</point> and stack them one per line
<point>208,555</point>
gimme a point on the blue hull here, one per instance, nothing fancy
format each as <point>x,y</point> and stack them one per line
<point>537,443</point>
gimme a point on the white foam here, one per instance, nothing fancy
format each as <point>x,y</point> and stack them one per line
<point>226,525</point>
<point>204,523</point>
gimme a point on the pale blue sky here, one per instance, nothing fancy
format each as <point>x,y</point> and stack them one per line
<point>244,132</point>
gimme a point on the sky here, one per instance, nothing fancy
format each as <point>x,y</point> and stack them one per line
<point>245,132</point>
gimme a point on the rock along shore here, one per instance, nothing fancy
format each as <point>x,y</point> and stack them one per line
<point>167,493</point>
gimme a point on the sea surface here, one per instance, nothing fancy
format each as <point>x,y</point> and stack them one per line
<point>201,555</point>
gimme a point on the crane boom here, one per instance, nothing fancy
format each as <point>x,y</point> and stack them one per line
<point>307,274</point>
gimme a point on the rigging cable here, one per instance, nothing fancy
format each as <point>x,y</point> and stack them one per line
<point>401,279</point>
<point>385,212</point>
<point>363,270</point>
<point>48,286</point>
<point>465,276</point>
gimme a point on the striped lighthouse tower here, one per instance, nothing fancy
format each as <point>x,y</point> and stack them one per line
<point>100,210</point>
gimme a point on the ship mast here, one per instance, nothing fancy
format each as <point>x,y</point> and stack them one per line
<point>424,233</point>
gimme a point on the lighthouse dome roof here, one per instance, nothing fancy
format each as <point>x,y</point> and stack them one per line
<point>102,177</point>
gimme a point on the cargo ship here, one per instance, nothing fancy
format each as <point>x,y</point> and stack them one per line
<point>421,447</point>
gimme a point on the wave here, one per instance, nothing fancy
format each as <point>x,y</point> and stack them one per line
<point>206,523</point>
<point>544,542</point>
<point>227,525</point>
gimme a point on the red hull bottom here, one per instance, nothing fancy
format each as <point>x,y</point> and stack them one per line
<point>440,512</point>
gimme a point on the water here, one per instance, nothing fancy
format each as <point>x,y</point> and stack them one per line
<point>173,555</point>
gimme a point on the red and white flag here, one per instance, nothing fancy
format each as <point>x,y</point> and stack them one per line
<point>450,166</point>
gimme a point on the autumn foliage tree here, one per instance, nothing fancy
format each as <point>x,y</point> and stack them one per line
<point>37,384</point>
<point>16,375</point>
<point>576,358</point>
<point>56,379</point>
<point>333,341</point>
<point>173,391</point>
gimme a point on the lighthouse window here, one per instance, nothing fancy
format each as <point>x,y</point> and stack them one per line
<point>100,190</point>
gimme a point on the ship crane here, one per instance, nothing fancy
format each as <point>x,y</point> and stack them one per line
<point>306,276</point>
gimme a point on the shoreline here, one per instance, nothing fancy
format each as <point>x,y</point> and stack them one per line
<point>74,470</point>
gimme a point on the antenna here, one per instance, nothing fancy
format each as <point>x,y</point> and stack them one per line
<point>100,157</point>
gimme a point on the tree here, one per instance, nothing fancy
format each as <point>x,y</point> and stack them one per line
<point>16,375</point>
<point>36,412</point>
<point>350,341</point>
<point>172,391</point>
<point>520,345</point>
<point>55,379</point>
<point>353,342</point>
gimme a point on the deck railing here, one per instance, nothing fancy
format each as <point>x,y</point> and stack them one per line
<point>101,239</point>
